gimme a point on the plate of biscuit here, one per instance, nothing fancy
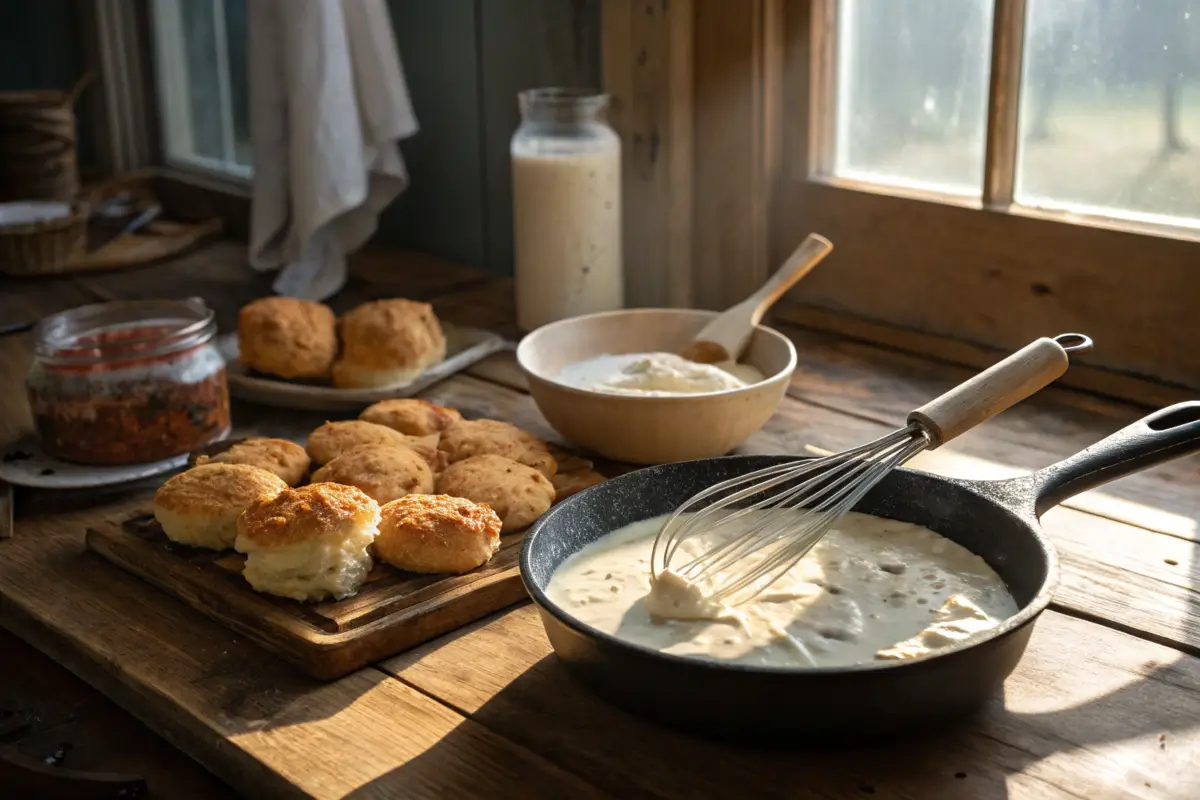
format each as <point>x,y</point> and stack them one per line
<point>375,535</point>
<point>294,353</point>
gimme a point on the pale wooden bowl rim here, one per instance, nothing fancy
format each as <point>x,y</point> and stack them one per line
<point>528,343</point>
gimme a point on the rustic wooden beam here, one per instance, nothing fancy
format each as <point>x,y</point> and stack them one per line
<point>734,155</point>
<point>646,51</point>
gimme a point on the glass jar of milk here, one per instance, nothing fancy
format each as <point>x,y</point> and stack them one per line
<point>566,167</point>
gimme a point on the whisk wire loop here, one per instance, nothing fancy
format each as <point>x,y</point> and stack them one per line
<point>787,508</point>
<point>800,539</point>
<point>752,529</point>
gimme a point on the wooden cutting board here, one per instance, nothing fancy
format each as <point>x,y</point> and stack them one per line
<point>393,611</point>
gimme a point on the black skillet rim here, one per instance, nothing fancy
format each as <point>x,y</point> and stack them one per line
<point>1035,607</point>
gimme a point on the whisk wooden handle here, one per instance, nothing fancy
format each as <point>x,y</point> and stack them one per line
<point>987,394</point>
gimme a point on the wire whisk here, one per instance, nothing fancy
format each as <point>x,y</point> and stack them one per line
<point>751,530</point>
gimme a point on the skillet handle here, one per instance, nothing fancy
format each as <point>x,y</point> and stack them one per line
<point>1159,437</point>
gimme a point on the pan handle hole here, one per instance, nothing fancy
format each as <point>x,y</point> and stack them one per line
<point>1073,342</point>
<point>1173,419</point>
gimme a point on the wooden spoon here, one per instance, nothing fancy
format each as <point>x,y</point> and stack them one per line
<point>726,337</point>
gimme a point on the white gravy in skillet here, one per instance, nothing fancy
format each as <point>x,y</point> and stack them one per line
<point>872,589</point>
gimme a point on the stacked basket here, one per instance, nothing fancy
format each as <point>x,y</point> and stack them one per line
<point>43,221</point>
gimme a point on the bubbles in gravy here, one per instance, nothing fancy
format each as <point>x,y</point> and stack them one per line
<point>871,589</point>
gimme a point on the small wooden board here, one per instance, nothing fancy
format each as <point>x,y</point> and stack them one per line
<point>393,611</point>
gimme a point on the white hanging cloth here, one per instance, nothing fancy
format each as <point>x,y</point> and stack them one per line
<point>328,105</point>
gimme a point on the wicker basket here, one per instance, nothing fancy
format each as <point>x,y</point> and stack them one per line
<point>37,144</point>
<point>44,247</point>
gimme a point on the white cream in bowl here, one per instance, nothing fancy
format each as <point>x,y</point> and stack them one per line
<point>656,374</point>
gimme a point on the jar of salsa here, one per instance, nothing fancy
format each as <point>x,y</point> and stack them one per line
<point>128,382</point>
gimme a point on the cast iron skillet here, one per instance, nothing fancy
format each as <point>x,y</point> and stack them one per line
<point>997,520</point>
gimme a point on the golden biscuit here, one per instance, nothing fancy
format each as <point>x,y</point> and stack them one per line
<point>382,471</point>
<point>201,507</point>
<point>569,483</point>
<point>309,543</point>
<point>411,416</point>
<point>277,456</point>
<point>427,448</point>
<point>336,438</point>
<point>518,493</point>
<point>435,533</point>
<point>287,337</point>
<point>386,342</point>
<point>492,437</point>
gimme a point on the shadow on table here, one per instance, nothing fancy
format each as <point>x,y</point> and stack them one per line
<point>546,713</point>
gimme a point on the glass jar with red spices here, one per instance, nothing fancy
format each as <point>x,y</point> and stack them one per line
<point>128,382</point>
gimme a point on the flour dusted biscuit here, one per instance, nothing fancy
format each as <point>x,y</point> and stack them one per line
<point>518,493</point>
<point>436,533</point>
<point>491,437</point>
<point>386,342</point>
<point>309,543</point>
<point>201,507</point>
<point>411,416</point>
<point>383,472</point>
<point>278,456</point>
<point>287,337</point>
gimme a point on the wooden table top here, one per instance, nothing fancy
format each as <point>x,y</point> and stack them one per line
<point>1106,702</point>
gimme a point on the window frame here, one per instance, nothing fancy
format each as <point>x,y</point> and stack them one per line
<point>174,113</point>
<point>951,277</point>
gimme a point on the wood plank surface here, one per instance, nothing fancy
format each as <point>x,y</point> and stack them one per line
<point>248,717</point>
<point>1114,569</point>
<point>66,716</point>
<point>1100,707</point>
<point>883,385</point>
<point>392,612</point>
<point>1081,717</point>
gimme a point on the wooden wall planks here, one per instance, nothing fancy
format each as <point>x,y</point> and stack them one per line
<point>442,211</point>
<point>524,44</point>
<point>465,61</point>
<point>648,73</point>
<point>733,149</point>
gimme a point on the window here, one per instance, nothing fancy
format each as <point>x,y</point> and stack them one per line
<point>1101,102</point>
<point>200,55</point>
<point>911,93</point>
<point>991,171</point>
<point>1111,85</point>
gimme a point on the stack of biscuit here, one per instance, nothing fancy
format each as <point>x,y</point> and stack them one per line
<point>409,483</point>
<point>380,343</point>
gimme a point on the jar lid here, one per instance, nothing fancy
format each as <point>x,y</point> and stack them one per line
<point>561,103</point>
<point>104,332</point>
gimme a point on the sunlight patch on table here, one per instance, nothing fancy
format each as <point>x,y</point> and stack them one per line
<point>959,465</point>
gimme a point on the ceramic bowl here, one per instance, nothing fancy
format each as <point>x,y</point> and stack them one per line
<point>649,429</point>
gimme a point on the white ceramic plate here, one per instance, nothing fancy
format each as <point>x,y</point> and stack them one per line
<point>24,464</point>
<point>464,347</point>
<point>24,212</point>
